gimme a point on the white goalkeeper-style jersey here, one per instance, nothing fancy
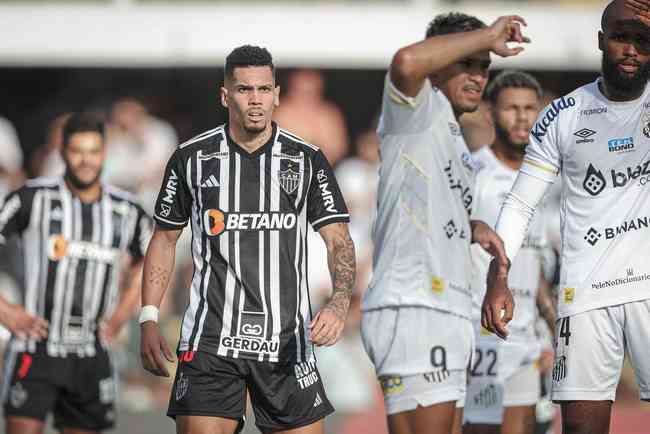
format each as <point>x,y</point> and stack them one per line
<point>425,195</point>
<point>601,148</point>
<point>493,182</point>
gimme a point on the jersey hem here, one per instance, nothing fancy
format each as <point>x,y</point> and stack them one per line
<point>339,218</point>
<point>397,306</point>
<point>578,310</point>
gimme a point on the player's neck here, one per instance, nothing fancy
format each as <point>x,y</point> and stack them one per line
<point>86,195</point>
<point>508,156</point>
<point>618,96</point>
<point>251,142</point>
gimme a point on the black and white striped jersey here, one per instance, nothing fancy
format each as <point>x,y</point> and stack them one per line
<point>73,252</point>
<point>249,214</point>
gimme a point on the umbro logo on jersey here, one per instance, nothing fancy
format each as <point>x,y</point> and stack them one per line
<point>211,182</point>
<point>584,135</point>
<point>318,401</point>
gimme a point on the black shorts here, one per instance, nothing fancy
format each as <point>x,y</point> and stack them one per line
<point>80,391</point>
<point>283,395</point>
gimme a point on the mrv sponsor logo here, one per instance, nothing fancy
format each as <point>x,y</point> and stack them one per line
<point>595,181</point>
<point>216,221</point>
<point>541,126</point>
<point>326,193</point>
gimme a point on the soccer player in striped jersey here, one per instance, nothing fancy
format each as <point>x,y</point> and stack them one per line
<point>76,232</point>
<point>417,310</point>
<point>249,191</point>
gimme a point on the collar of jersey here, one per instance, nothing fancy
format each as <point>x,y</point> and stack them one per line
<point>262,149</point>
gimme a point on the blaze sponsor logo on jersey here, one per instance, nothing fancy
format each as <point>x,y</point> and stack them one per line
<point>59,248</point>
<point>584,135</point>
<point>595,182</point>
<point>306,373</point>
<point>541,127</point>
<point>216,221</point>
<point>457,184</point>
<point>289,180</point>
<point>594,111</point>
<point>625,144</point>
<point>391,385</point>
<point>326,194</point>
<point>251,345</point>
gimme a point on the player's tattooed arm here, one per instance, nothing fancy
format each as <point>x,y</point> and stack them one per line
<point>158,268</point>
<point>545,304</point>
<point>327,325</point>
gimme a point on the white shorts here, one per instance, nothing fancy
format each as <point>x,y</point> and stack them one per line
<point>487,395</point>
<point>420,355</point>
<point>590,349</point>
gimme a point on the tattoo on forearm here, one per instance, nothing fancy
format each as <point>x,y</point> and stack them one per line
<point>158,276</point>
<point>342,265</point>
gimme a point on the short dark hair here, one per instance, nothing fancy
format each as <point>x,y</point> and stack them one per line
<point>82,123</point>
<point>512,79</point>
<point>605,16</point>
<point>453,22</point>
<point>248,55</point>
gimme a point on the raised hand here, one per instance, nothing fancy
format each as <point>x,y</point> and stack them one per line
<point>641,9</point>
<point>507,29</point>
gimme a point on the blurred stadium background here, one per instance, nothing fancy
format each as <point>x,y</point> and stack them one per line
<point>154,68</point>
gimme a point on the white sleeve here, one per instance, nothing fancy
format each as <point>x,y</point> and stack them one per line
<point>401,114</point>
<point>543,150</point>
<point>519,206</point>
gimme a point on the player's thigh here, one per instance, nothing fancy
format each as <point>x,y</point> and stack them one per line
<point>637,336</point>
<point>24,425</point>
<point>206,425</point>
<point>313,428</point>
<point>521,393</point>
<point>78,431</point>
<point>208,385</point>
<point>433,419</point>
<point>518,420</point>
<point>479,428</point>
<point>590,349</point>
<point>586,417</point>
<point>287,396</point>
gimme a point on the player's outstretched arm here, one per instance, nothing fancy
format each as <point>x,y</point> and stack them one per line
<point>411,65</point>
<point>127,305</point>
<point>21,323</point>
<point>158,269</point>
<point>641,8</point>
<point>327,325</point>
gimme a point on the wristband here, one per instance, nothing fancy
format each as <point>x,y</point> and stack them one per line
<point>148,313</point>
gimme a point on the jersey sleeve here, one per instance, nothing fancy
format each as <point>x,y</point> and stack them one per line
<point>543,150</point>
<point>401,114</point>
<point>15,213</point>
<point>141,235</point>
<point>174,204</point>
<point>325,204</point>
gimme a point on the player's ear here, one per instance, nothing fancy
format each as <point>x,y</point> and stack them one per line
<point>224,96</point>
<point>276,94</point>
<point>601,41</point>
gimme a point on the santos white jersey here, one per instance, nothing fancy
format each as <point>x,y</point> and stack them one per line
<point>493,182</point>
<point>602,149</point>
<point>422,233</point>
